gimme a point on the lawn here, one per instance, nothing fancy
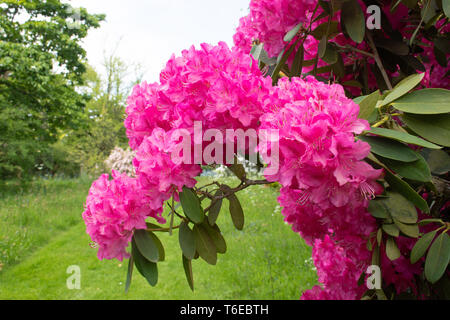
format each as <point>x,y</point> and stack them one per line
<point>42,234</point>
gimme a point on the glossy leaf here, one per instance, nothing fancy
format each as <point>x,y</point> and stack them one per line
<point>187,265</point>
<point>291,33</point>
<point>216,236</point>
<point>186,239</point>
<point>146,245</point>
<point>352,17</point>
<point>148,269</point>
<point>321,30</point>
<point>421,246</point>
<point>438,258</point>
<point>392,250</point>
<point>191,205</point>
<point>390,149</point>
<point>297,65</point>
<point>205,245</point>
<point>400,208</point>
<point>425,101</point>
<point>446,7</point>
<point>159,245</point>
<point>214,211</point>
<point>435,128</point>
<point>402,88</point>
<point>256,51</point>
<point>438,161</point>
<point>129,274</point>
<point>403,137</point>
<point>367,105</point>
<point>238,170</point>
<point>391,229</point>
<point>416,170</point>
<point>330,55</point>
<point>237,214</point>
<point>405,190</point>
<point>410,230</point>
<point>378,209</point>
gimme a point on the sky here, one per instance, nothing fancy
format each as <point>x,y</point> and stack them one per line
<point>148,32</point>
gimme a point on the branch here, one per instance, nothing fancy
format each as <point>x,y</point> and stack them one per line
<point>376,56</point>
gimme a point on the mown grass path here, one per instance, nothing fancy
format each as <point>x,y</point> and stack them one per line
<point>264,261</point>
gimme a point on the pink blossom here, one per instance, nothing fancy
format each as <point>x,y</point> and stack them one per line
<point>114,208</point>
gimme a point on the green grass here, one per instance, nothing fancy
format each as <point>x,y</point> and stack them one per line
<point>264,261</point>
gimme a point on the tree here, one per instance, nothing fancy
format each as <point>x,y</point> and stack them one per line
<point>104,115</point>
<point>41,65</point>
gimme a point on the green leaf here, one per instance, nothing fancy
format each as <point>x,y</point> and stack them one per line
<point>238,170</point>
<point>424,222</point>
<point>129,274</point>
<point>425,101</point>
<point>216,236</point>
<point>291,33</point>
<point>187,265</point>
<point>297,65</point>
<point>392,250</point>
<point>191,205</point>
<point>434,128</point>
<point>417,170</point>
<point>446,7</point>
<point>403,137</point>
<point>405,189</point>
<point>321,30</point>
<point>256,51</point>
<point>402,88</point>
<point>159,245</point>
<point>282,61</point>
<point>390,149</point>
<point>391,229</point>
<point>148,269</point>
<point>411,4</point>
<point>186,239</point>
<point>146,245</point>
<point>330,55</point>
<point>237,214</point>
<point>379,237</point>
<point>400,208</point>
<point>353,19</point>
<point>214,211</point>
<point>367,105</point>
<point>154,226</point>
<point>322,46</point>
<point>410,230</point>
<point>438,160</point>
<point>378,210</point>
<point>421,246</point>
<point>205,245</point>
<point>438,258</point>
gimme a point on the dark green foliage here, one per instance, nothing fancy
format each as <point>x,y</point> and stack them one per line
<point>41,64</point>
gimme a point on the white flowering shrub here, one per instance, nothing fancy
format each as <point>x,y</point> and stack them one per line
<point>121,160</point>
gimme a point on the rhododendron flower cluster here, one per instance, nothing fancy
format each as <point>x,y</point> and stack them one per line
<point>219,87</point>
<point>269,21</point>
<point>326,185</point>
<point>114,208</point>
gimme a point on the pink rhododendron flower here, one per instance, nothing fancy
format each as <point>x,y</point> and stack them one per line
<point>156,170</point>
<point>337,272</point>
<point>114,208</point>
<point>326,184</point>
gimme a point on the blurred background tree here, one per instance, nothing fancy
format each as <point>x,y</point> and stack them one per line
<point>42,65</point>
<point>104,113</point>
